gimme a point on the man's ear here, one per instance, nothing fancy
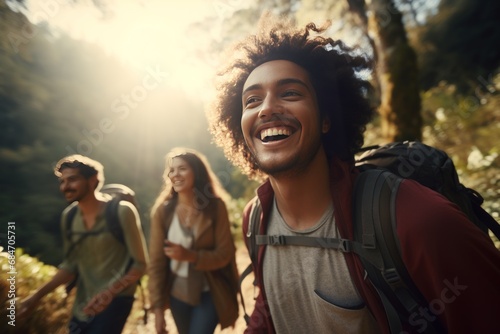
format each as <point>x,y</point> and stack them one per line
<point>94,182</point>
<point>325,127</point>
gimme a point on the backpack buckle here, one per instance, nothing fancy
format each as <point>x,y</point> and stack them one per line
<point>271,240</point>
<point>345,245</point>
<point>391,276</point>
<point>277,240</point>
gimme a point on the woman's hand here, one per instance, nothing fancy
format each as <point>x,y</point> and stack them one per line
<point>179,253</point>
<point>160,323</point>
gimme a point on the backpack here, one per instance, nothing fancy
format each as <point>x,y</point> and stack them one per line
<point>118,192</point>
<point>375,240</point>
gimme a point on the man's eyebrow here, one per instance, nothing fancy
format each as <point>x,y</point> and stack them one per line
<point>70,177</point>
<point>252,87</point>
<point>281,82</point>
<point>287,81</point>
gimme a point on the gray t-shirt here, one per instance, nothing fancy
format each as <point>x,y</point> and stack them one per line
<point>309,289</point>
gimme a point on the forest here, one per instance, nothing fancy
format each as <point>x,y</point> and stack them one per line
<point>124,84</point>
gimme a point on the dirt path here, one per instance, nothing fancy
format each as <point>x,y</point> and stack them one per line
<point>135,323</point>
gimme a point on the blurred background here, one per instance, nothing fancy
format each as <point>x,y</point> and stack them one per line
<point>124,81</point>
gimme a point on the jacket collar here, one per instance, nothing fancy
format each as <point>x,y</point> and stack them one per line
<point>342,176</point>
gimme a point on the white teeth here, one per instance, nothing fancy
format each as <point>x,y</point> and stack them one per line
<point>274,132</point>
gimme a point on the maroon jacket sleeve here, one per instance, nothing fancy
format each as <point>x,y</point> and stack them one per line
<point>452,262</point>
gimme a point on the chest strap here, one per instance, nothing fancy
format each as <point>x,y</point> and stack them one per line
<point>343,245</point>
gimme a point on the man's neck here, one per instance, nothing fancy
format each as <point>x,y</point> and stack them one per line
<point>90,207</point>
<point>303,198</point>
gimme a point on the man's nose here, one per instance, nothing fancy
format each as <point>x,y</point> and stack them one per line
<point>63,186</point>
<point>270,105</point>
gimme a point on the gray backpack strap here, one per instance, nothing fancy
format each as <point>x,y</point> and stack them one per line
<point>253,229</point>
<point>342,245</point>
<point>374,205</point>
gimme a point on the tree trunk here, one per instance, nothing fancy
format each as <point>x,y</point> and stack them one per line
<point>397,73</point>
<point>358,8</point>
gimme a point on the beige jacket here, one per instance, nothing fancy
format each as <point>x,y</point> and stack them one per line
<point>215,257</point>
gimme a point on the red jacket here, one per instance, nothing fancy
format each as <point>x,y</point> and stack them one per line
<point>453,263</point>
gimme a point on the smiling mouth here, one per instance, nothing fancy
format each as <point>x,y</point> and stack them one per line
<point>274,134</point>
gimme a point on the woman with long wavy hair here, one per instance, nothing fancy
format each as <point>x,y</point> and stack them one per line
<point>192,253</point>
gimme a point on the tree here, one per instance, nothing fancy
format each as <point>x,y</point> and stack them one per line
<point>395,76</point>
<point>459,44</point>
<point>397,73</point>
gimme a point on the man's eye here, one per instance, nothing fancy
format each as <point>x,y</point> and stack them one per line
<point>290,93</point>
<point>250,100</point>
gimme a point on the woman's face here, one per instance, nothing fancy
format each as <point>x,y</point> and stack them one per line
<point>181,175</point>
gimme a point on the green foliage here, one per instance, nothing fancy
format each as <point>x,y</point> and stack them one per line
<point>466,127</point>
<point>51,315</point>
<point>460,43</point>
<point>235,211</point>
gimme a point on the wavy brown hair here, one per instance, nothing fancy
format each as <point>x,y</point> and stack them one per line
<point>333,69</point>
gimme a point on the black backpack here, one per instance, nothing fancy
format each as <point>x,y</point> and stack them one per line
<point>375,240</point>
<point>118,192</point>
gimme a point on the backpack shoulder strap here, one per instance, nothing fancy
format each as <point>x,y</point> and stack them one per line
<point>486,218</point>
<point>115,228</point>
<point>252,231</point>
<point>68,229</point>
<point>113,220</point>
<point>68,220</point>
<point>374,205</point>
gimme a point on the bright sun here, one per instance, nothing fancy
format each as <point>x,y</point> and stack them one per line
<point>143,34</point>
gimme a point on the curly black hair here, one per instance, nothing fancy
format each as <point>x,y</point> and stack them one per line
<point>333,69</point>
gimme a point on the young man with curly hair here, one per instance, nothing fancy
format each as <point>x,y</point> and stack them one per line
<point>107,269</point>
<point>292,108</point>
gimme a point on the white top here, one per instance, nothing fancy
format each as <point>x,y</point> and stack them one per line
<point>182,236</point>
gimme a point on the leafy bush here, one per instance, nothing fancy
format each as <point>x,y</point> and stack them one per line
<point>53,312</point>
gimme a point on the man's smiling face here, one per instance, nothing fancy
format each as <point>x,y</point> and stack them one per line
<point>280,119</point>
<point>74,185</point>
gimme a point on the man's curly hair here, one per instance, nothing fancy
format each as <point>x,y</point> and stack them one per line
<point>333,69</point>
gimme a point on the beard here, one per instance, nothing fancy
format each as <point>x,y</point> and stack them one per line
<point>74,195</point>
<point>288,167</point>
